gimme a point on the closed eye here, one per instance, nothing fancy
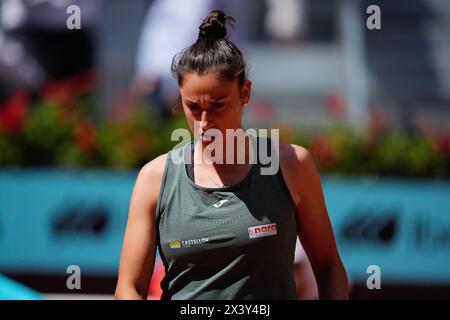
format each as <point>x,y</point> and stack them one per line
<point>193,106</point>
<point>217,105</point>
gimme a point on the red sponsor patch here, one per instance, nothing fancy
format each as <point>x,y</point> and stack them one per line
<point>262,230</point>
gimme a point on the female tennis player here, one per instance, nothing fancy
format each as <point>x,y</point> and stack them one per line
<point>224,229</point>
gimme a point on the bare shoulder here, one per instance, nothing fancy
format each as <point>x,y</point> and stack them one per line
<point>298,168</point>
<point>155,168</point>
<point>150,176</point>
<point>298,160</point>
<point>294,154</point>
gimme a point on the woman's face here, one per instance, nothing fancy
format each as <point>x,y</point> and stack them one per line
<point>213,101</point>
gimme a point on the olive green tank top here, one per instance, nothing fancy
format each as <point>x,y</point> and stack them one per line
<point>233,242</point>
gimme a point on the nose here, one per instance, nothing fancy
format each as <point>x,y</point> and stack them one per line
<point>204,123</point>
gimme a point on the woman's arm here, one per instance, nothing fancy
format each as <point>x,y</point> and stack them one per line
<point>139,244</point>
<point>314,230</point>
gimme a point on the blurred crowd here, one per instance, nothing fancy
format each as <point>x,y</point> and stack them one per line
<point>36,47</point>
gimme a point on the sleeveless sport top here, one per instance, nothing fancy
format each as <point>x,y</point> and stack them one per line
<point>234,242</point>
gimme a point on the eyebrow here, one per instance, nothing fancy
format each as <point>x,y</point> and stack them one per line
<point>210,100</point>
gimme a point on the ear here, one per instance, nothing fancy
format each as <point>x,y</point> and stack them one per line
<point>246,91</point>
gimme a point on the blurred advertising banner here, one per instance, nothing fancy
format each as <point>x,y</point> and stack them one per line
<point>400,226</point>
<point>52,219</point>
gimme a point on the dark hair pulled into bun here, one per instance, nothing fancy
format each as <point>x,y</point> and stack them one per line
<point>215,26</point>
<point>212,52</point>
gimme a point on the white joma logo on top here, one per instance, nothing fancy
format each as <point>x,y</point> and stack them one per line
<point>220,203</point>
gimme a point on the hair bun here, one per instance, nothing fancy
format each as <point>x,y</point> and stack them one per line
<point>215,25</point>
